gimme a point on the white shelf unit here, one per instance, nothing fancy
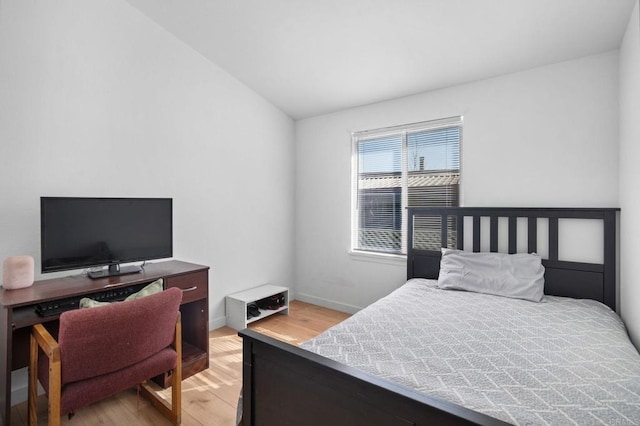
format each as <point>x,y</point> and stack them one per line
<point>236,305</point>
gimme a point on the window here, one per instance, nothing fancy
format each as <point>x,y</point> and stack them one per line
<point>412,165</point>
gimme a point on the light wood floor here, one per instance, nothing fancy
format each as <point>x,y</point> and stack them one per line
<point>210,397</point>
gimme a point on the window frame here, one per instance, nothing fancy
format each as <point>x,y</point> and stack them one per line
<point>404,131</point>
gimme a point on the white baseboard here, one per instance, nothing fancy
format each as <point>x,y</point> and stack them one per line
<point>326,303</point>
<point>20,386</point>
<point>215,323</point>
<point>19,394</point>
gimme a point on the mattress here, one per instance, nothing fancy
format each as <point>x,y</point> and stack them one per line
<point>560,361</point>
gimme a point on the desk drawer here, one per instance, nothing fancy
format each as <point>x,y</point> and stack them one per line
<point>194,286</point>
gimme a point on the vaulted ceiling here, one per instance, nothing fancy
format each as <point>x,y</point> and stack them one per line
<point>310,57</point>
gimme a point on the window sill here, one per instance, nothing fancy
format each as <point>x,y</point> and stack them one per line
<point>367,256</point>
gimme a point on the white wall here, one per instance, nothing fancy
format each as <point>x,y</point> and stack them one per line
<point>630,176</point>
<point>97,100</point>
<point>543,137</point>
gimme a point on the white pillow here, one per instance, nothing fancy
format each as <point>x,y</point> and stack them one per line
<point>520,276</point>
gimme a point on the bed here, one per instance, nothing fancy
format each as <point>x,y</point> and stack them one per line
<point>406,360</point>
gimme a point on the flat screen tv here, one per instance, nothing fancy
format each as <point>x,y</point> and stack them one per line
<point>81,233</point>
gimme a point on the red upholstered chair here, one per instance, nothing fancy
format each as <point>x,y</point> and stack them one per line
<point>105,350</point>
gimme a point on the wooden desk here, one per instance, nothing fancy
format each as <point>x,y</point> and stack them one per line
<point>18,315</point>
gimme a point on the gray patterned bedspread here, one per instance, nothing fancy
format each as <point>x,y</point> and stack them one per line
<point>561,361</point>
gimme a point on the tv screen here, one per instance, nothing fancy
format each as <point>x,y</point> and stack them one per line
<point>87,232</point>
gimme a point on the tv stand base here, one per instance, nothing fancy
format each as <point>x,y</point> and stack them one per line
<point>114,270</point>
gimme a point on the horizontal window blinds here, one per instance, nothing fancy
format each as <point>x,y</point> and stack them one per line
<point>415,165</point>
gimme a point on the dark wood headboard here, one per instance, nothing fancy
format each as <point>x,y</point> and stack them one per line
<point>562,278</point>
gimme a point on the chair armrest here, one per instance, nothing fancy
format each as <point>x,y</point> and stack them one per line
<point>46,342</point>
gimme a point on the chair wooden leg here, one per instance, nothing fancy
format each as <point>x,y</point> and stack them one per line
<point>40,338</point>
<point>176,377</point>
<point>176,396</point>
<point>173,413</point>
<point>55,390</point>
<point>33,382</point>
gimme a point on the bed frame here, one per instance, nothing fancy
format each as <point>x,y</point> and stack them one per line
<point>286,385</point>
